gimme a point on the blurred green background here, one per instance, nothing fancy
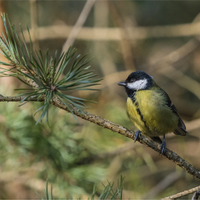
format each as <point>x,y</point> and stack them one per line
<point>159,37</point>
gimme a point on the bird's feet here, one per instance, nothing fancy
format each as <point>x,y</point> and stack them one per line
<point>163,146</point>
<point>137,135</point>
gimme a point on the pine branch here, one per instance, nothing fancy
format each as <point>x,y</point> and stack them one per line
<point>118,129</point>
<point>51,77</point>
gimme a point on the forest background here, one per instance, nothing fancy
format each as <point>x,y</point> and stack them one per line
<point>159,37</point>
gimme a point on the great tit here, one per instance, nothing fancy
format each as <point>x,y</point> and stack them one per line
<point>150,108</point>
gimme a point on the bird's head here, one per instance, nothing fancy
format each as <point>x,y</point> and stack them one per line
<point>138,80</point>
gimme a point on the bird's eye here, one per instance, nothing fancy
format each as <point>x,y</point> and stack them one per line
<point>132,80</point>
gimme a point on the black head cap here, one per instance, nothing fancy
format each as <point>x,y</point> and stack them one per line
<point>139,75</point>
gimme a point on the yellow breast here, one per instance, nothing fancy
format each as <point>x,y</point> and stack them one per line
<point>150,114</point>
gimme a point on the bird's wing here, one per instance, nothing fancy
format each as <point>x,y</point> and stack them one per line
<point>181,129</point>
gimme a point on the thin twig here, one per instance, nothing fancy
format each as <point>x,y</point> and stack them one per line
<point>113,34</point>
<point>34,26</point>
<point>180,78</point>
<point>127,147</point>
<point>165,63</point>
<point>179,53</point>
<point>182,51</point>
<point>125,44</point>
<point>79,23</point>
<point>181,194</point>
<point>163,184</point>
<point>101,50</point>
<point>119,129</point>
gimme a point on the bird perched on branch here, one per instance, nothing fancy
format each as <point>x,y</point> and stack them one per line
<point>150,108</point>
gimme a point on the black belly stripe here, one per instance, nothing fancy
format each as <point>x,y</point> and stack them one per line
<point>139,113</point>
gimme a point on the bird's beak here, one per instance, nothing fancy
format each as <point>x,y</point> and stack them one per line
<point>122,83</point>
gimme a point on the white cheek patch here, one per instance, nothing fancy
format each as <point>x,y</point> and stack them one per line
<point>138,85</point>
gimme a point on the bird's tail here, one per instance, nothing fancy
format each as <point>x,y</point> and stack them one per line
<point>180,131</point>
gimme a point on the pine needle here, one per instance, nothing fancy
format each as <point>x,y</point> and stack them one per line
<point>45,76</point>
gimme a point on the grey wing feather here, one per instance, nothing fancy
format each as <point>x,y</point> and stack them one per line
<point>181,129</point>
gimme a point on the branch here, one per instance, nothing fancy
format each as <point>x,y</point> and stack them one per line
<point>118,129</point>
<point>181,194</point>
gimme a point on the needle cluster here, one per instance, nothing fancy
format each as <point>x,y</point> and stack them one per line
<point>46,76</point>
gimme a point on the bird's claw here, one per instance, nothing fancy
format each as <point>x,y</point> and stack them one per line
<point>137,135</point>
<point>163,147</point>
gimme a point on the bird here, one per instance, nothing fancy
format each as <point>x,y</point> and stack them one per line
<point>150,108</point>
